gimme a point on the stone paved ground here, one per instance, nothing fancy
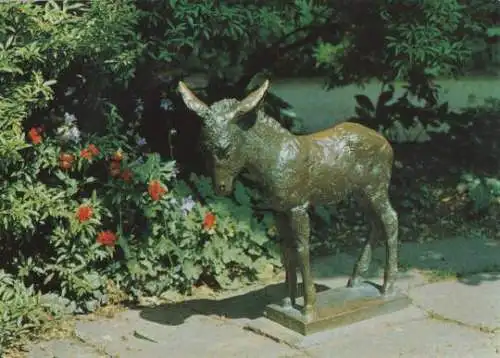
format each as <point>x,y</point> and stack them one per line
<point>453,317</point>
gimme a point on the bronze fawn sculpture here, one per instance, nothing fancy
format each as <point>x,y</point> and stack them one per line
<point>297,171</point>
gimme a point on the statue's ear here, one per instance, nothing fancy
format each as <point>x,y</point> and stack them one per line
<point>192,102</point>
<point>252,99</point>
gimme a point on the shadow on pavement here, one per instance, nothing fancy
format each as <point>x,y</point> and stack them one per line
<point>471,260</point>
<point>477,279</point>
<point>460,257</point>
<point>247,306</point>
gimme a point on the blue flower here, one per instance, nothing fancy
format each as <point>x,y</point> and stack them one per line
<point>166,104</point>
<point>141,141</point>
<point>187,205</point>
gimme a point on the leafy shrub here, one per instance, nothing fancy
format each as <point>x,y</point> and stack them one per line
<point>481,191</point>
<point>402,116</point>
<point>84,201</point>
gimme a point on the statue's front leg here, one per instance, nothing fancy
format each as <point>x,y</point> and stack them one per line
<point>289,261</point>
<point>300,227</point>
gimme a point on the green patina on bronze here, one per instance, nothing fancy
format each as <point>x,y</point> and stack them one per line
<point>297,171</point>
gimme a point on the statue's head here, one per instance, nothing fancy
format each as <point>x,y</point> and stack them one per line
<point>222,134</point>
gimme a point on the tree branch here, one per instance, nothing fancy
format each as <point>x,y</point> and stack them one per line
<point>267,57</point>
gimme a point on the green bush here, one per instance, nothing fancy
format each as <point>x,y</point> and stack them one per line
<point>196,237</point>
<point>83,199</point>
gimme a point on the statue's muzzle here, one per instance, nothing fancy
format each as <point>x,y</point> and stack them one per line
<point>223,188</point>
<point>223,182</point>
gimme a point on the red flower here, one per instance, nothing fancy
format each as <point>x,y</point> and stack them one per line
<point>156,190</point>
<point>93,149</point>
<point>34,135</point>
<point>208,221</point>
<point>66,160</point>
<point>63,164</point>
<point>86,154</point>
<point>84,213</point>
<point>89,152</point>
<point>126,175</point>
<point>107,238</point>
<point>66,157</point>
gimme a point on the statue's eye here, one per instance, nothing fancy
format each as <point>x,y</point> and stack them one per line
<point>222,152</point>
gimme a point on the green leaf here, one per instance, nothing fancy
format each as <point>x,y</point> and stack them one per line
<point>259,237</point>
<point>241,194</point>
<point>191,271</point>
<point>364,102</point>
<point>50,83</point>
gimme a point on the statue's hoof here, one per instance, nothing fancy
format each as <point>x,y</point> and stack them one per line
<point>308,314</point>
<point>388,290</point>
<point>286,303</point>
<point>354,282</point>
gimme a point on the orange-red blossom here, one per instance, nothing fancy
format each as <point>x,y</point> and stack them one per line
<point>209,221</point>
<point>156,190</point>
<point>35,135</point>
<point>66,160</point>
<point>84,213</point>
<point>107,238</point>
<point>90,152</point>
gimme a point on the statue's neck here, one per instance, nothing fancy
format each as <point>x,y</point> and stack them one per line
<point>267,145</point>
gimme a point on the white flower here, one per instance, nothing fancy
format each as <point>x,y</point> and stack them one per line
<point>69,133</point>
<point>74,134</point>
<point>69,118</point>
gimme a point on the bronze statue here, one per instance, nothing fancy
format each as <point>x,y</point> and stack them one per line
<point>297,171</point>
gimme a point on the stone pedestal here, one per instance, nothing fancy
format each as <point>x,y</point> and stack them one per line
<point>337,307</point>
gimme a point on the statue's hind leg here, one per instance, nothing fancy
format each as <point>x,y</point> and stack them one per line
<point>389,220</point>
<point>365,257</point>
<point>386,220</point>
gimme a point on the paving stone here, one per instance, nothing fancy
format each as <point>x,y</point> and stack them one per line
<point>473,300</point>
<point>62,349</point>
<point>182,334</point>
<point>420,339</point>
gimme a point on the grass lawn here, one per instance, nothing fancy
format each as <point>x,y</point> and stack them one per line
<point>320,108</point>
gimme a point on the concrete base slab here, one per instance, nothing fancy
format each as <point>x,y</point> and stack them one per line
<point>267,328</point>
<point>337,307</point>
